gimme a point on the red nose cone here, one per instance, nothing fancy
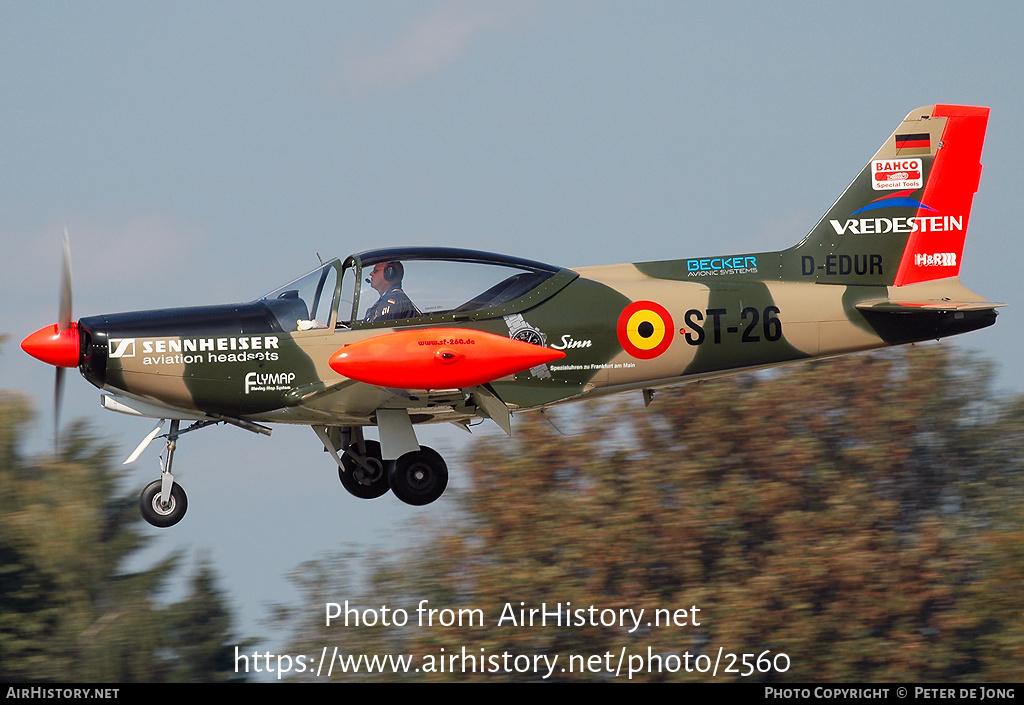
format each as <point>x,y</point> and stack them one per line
<point>54,347</point>
<point>437,358</point>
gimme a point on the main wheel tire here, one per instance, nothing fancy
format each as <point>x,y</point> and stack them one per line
<point>419,477</point>
<point>157,514</point>
<point>356,479</point>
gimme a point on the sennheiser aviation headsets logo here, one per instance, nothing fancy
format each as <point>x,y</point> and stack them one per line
<point>122,347</point>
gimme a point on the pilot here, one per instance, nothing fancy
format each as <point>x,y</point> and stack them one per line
<point>386,279</point>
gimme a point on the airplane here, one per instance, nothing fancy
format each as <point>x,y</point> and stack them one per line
<point>398,337</point>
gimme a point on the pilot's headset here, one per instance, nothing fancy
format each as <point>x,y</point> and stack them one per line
<point>394,272</point>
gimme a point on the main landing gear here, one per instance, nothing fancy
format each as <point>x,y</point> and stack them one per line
<point>362,472</point>
<point>418,477</point>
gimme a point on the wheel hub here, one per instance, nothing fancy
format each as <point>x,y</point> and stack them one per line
<point>368,477</point>
<point>419,476</point>
<point>163,508</point>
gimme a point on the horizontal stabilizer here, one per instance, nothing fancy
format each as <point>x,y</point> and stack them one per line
<point>915,315</point>
<point>889,306</point>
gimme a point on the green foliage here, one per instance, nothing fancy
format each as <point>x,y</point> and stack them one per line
<point>69,609</point>
<point>199,633</point>
<point>860,515</point>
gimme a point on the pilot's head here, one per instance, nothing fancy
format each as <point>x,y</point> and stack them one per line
<point>386,275</point>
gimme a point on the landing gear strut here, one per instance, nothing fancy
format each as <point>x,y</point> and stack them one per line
<point>163,502</point>
<point>360,468</point>
<point>367,479</point>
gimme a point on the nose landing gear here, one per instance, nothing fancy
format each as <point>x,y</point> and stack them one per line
<point>163,502</point>
<point>158,512</point>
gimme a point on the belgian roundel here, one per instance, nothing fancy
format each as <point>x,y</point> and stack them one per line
<point>645,329</point>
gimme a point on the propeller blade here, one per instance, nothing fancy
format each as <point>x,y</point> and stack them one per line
<point>63,323</point>
<point>64,317</point>
<point>58,400</point>
<point>58,344</point>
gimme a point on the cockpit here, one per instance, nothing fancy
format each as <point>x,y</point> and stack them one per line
<point>413,285</point>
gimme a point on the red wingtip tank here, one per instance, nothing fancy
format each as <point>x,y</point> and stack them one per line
<point>54,346</point>
<point>437,358</point>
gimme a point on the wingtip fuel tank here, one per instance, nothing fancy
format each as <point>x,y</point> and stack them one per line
<point>437,358</point>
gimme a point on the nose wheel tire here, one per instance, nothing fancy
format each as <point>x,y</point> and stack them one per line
<point>419,477</point>
<point>162,514</point>
<point>360,481</point>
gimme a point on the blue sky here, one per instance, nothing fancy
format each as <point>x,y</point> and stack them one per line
<point>205,152</point>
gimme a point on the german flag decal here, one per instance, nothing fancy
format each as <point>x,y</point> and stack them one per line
<point>645,329</point>
<point>919,142</point>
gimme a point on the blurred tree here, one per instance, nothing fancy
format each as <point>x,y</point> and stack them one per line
<point>199,633</point>
<point>859,515</point>
<point>70,611</point>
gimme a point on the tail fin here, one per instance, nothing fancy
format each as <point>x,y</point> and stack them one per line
<point>904,218</point>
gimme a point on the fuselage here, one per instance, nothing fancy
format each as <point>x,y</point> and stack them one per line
<point>620,327</point>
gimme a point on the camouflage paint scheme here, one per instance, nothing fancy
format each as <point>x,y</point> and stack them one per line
<point>880,268</point>
<point>727,313</point>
